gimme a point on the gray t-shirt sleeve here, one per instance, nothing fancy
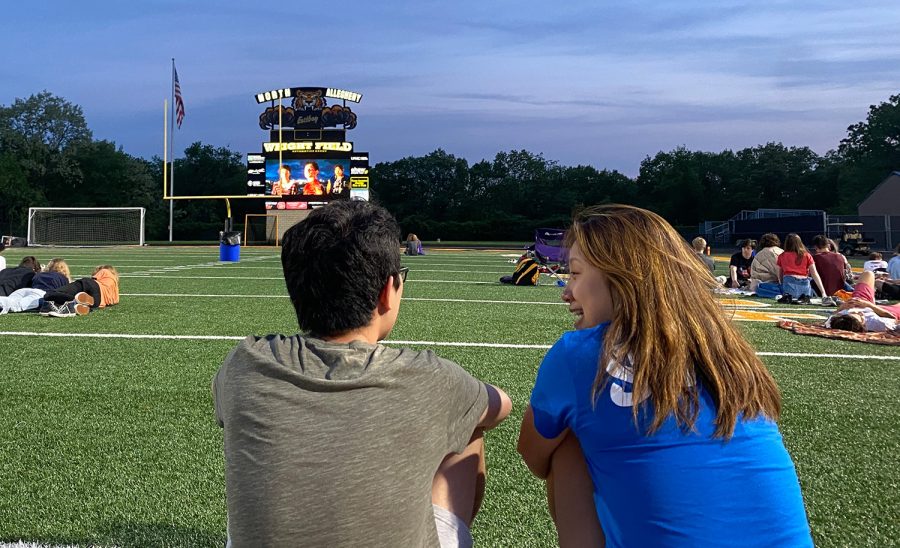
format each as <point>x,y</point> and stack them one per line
<point>464,398</point>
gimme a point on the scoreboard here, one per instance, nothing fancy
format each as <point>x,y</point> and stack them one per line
<point>307,160</point>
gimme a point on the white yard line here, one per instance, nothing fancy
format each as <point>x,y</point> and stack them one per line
<point>795,310</point>
<point>402,342</point>
<point>251,278</point>
<point>230,296</point>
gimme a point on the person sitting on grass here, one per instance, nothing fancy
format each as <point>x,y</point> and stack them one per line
<point>739,266</point>
<point>796,269</point>
<point>894,265</point>
<point>860,313</point>
<point>699,245</point>
<point>56,274</point>
<point>81,296</point>
<point>652,428</point>
<point>413,245</point>
<point>332,439</point>
<point>832,267</point>
<point>876,263</point>
<point>764,268</point>
<point>12,279</point>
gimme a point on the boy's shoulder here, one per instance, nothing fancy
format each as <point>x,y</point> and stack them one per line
<point>311,356</point>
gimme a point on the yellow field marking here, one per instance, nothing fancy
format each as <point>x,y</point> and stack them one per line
<point>757,316</point>
<point>743,303</point>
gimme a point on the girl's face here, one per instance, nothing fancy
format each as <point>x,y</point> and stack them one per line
<point>587,293</point>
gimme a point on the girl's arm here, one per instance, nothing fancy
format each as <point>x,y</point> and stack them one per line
<point>780,275</point>
<point>536,450</point>
<point>814,274</point>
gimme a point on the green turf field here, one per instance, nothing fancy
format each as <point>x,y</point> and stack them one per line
<point>108,433</point>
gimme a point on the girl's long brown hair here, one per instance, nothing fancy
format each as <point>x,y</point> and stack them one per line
<point>795,244</point>
<point>667,323</point>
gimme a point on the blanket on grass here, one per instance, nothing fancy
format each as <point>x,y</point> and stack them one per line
<point>891,338</point>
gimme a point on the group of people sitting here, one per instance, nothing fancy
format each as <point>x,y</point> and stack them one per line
<point>647,426</point>
<point>52,291</point>
<point>794,275</point>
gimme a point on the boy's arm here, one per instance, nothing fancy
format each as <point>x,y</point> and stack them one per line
<point>498,408</point>
<point>536,450</point>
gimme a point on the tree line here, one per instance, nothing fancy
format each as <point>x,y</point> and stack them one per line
<point>48,157</point>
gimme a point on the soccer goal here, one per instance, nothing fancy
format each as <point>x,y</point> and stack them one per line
<point>260,229</point>
<point>86,226</point>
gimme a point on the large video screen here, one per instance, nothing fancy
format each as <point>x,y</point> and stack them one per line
<point>308,179</point>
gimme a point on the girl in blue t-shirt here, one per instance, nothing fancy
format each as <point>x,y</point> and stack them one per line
<point>654,421</point>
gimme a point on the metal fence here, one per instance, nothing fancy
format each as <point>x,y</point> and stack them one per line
<point>882,231</point>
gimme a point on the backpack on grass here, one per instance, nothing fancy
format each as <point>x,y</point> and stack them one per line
<point>526,273</point>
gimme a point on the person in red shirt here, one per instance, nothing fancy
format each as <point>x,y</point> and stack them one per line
<point>796,269</point>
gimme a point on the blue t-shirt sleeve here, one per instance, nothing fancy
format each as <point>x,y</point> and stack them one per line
<point>553,397</point>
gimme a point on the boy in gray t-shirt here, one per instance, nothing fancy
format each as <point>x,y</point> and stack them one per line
<point>332,439</point>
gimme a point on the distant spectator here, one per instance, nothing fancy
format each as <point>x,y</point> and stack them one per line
<point>894,265</point>
<point>699,245</point>
<point>764,267</point>
<point>2,258</point>
<point>796,271</point>
<point>12,279</point>
<point>739,266</point>
<point>831,266</point>
<point>876,263</point>
<point>413,245</point>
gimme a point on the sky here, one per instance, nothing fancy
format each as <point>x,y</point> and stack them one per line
<point>582,82</point>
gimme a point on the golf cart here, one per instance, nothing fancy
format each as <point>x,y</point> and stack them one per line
<point>849,238</point>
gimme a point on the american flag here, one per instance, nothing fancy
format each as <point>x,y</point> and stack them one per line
<point>179,102</point>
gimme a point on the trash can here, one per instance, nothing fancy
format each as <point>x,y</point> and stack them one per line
<point>229,246</point>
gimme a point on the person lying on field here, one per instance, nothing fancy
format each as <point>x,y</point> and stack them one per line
<point>860,313</point>
<point>81,296</point>
<point>332,439</point>
<point>55,274</point>
<point>13,279</point>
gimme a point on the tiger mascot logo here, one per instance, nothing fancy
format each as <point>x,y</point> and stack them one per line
<point>309,100</point>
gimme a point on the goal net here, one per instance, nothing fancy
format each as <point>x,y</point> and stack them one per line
<point>85,226</point>
<point>260,229</point>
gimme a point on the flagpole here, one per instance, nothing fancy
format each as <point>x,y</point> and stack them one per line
<point>172,156</point>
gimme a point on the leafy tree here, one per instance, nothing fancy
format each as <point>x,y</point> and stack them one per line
<point>16,196</point>
<point>871,151</point>
<point>43,133</point>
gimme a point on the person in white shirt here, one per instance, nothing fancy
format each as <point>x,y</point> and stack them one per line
<point>875,263</point>
<point>2,258</point>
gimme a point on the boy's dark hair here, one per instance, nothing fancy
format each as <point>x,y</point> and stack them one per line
<point>820,242</point>
<point>847,322</point>
<point>31,262</point>
<point>336,262</point>
<point>747,243</point>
